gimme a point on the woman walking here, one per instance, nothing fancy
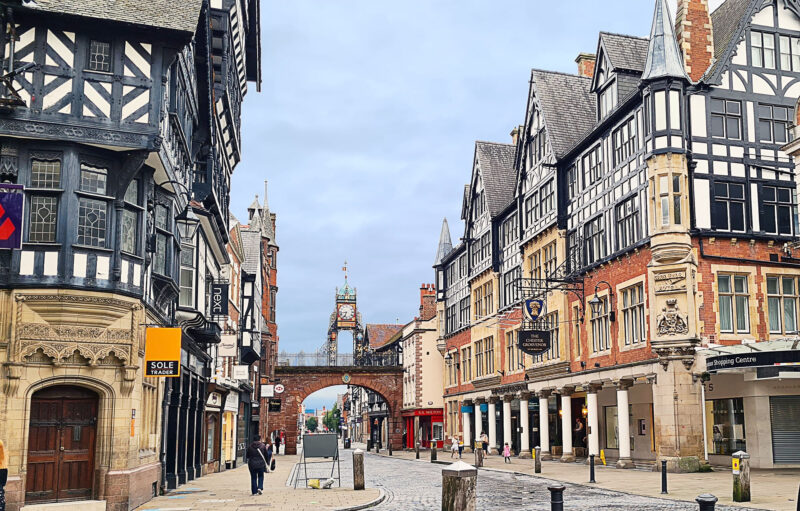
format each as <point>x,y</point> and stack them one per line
<point>258,459</point>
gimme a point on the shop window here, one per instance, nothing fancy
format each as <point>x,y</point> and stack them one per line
<point>782,294</point>
<point>633,314</point>
<point>734,299</point>
<point>725,418</point>
<point>211,430</point>
<point>611,416</point>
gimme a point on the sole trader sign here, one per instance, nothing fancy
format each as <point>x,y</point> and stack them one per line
<point>162,352</point>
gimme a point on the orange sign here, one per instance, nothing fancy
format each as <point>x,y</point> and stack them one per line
<point>162,352</point>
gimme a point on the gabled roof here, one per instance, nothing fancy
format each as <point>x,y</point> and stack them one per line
<point>728,20</point>
<point>497,169</point>
<point>379,334</point>
<point>251,245</point>
<point>182,15</point>
<point>567,105</point>
<point>664,58</point>
<point>624,52</point>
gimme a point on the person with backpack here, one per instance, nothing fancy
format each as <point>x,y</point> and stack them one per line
<point>258,461</point>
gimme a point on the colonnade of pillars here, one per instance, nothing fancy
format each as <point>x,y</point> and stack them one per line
<point>568,454</point>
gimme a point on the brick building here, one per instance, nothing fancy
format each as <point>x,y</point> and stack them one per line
<point>644,213</point>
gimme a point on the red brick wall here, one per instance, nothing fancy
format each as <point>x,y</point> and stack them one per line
<point>694,30</point>
<point>130,489</point>
<point>302,382</point>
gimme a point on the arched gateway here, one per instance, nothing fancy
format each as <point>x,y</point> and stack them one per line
<point>300,382</point>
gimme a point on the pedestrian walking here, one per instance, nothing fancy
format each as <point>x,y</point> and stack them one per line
<point>507,453</point>
<point>258,459</point>
<point>485,443</point>
<point>453,446</point>
<point>278,443</point>
<point>460,447</point>
<point>3,475</point>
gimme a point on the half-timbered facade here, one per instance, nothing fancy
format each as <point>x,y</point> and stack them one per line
<point>668,236</point>
<point>122,125</point>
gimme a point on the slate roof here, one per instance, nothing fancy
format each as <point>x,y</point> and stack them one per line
<point>497,168</point>
<point>379,334</point>
<point>664,58</point>
<point>727,19</point>
<point>569,109</point>
<point>181,15</point>
<point>251,246</point>
<point>625,52</point>
<point>445,243</point>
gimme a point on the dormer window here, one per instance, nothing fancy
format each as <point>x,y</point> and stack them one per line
<point>608,99</point>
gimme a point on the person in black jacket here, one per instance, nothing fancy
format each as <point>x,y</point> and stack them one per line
<point>258,458</point>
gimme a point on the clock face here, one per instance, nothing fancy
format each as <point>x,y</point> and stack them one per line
<point>347,312</point>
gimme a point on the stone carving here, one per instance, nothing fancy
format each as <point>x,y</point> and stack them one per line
<point>671,321</point>
<point>684,354</point>
<point>63,352</point>
<point>43,331</point>
<point>12,377</point>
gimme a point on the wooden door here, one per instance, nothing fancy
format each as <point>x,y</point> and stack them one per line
<point>61,445</point>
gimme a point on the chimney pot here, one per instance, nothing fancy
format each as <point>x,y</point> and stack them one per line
<point>586,62</point>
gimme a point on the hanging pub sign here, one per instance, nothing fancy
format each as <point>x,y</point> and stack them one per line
<point>533,308</point>
<point>162,352</point>
<point>219,299</point>
<point>533,342</point>
<point>274,405</point>
<point>11,199</point>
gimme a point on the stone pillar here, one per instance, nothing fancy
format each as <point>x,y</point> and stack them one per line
<point>493,425</point>
<point>479,420</point>
<point>459,484</point>
<point>741,476</point>
<point>593,419</point>
<point>544,424</point>
<point>506,421</point>
<point>623,425</point>
<point>566,425</point>
<point>358,469</point>
<point>466,425</point>
<point>678,425</point>
<point>524,446</point>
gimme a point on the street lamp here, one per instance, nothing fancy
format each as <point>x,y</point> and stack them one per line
<point>186,220</point>
<point>597,304</point>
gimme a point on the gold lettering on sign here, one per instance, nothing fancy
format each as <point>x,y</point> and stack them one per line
<point>670,281</point>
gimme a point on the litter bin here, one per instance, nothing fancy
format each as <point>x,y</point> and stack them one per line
<point>346,443</point>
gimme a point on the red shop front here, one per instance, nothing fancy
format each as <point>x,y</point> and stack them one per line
<point>431,427</point>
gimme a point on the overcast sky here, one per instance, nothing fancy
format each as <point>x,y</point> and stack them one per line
<point>365,129</point>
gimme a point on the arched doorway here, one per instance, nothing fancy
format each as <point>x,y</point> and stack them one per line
<point>61,444</point>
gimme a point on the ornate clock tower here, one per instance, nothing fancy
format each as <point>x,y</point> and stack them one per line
<point>345,317</point>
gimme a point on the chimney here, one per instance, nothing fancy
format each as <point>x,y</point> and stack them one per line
<point>427,302</point>
<point>586,63</point>
<point>695,36</point>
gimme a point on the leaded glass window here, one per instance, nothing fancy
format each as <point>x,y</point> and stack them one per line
<point>43,213</point>
<point>132,193</point>
<point>99,56</point>
<point>160,259</point>
<point>92,223</point>
<point>128,231</point>
<point>93,179</point>
<point>45,173</point>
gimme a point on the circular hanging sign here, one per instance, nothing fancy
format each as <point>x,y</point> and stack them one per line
<point>533,309</point>
<point>346,378</point>
<point>279,388</point>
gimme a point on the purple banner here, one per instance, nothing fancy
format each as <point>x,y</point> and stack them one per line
<point>11,201</point>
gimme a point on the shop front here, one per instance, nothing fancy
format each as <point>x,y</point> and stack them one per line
<point>427,424</point>
<point>752,403</point>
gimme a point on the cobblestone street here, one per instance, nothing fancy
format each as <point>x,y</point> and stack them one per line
<point>411,485</point>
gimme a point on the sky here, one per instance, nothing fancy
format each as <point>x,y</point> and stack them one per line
<point>365,129</point>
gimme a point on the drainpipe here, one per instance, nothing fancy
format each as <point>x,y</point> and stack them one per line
<point>703,413</point>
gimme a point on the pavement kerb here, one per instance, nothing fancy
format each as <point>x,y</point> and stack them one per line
<point>381,497</point>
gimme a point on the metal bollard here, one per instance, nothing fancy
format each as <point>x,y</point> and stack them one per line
<point>434,454</point>
<point>707,502</point>
<point>556,498</point>
<point>358,469</point>
<point>537,462</point>
<point>591,469</point>
<point>664,477</point>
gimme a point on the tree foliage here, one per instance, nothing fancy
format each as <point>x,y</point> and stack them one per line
<point>311,424</point>
<point>331,419</point>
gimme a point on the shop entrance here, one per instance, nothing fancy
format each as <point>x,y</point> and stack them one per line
<point>61,445</point>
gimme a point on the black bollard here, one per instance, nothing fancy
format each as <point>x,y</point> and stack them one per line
<point>591,469</point>
<point>664,477</point>
<point>556,498</point>
<point>707,502</point>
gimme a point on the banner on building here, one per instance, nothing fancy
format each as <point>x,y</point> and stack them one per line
<point>274,405</point>
<point>241,372</point>
<point>11,205</point>
<point>162,352</point>
<point>219,299</point>
<point>533,342</point>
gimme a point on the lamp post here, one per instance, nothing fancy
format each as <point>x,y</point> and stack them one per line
<point>597,304</point>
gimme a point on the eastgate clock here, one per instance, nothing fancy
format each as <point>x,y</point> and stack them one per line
<point>347,312</point>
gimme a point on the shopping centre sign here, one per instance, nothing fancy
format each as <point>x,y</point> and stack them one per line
<point>756,359</point>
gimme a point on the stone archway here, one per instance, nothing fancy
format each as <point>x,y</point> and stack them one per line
<point>300,382</point>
